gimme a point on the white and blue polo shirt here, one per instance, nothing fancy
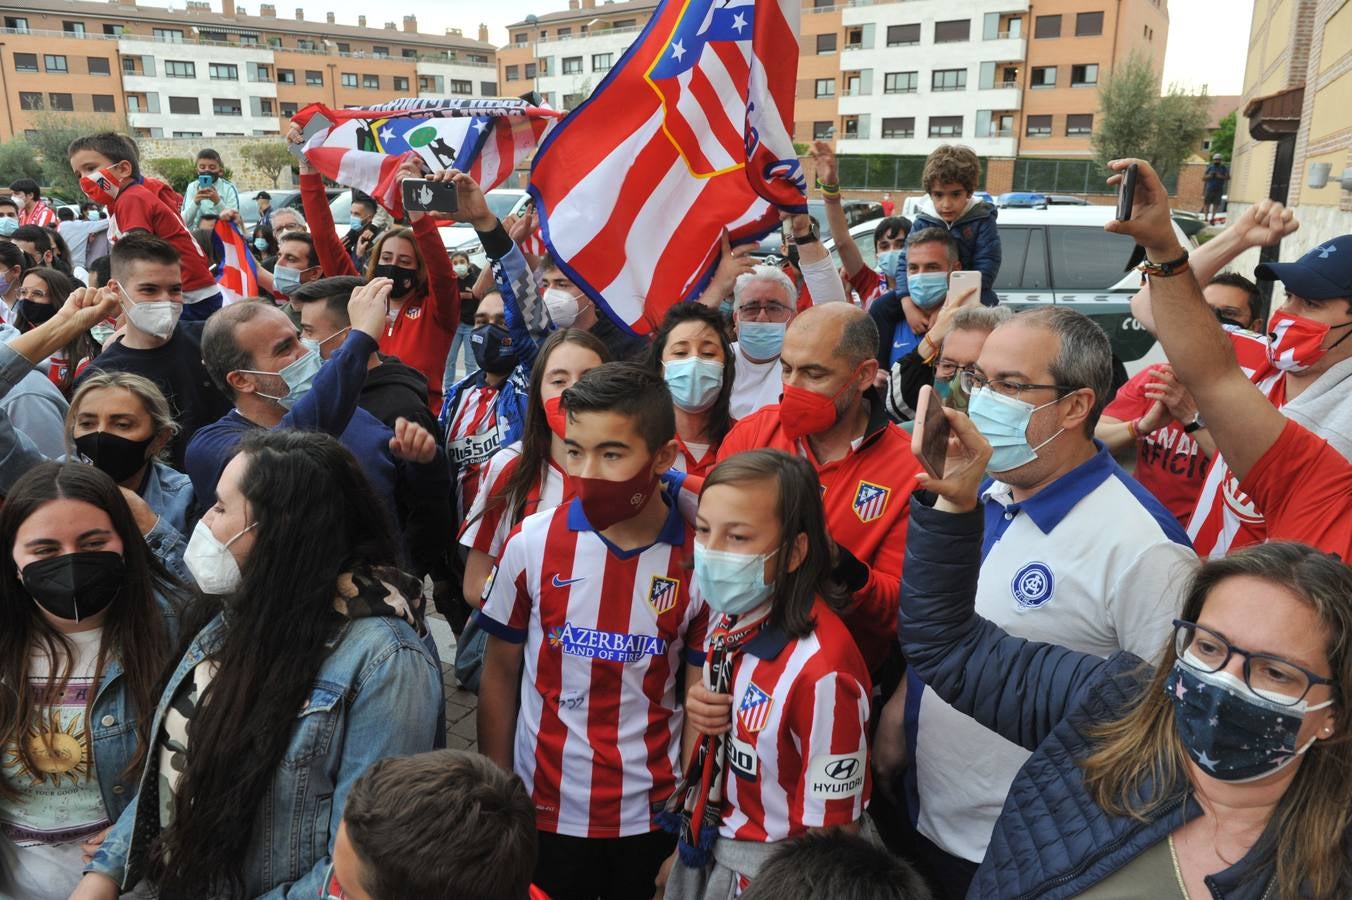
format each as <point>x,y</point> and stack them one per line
<point>1092,562</point>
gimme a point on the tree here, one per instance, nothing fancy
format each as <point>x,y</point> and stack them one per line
<point>176,171</point>
<point>17,161</point>
<point>270,158</point>
<point>1223,140</point>
<point>52,133</point>
<point>1135,120</point>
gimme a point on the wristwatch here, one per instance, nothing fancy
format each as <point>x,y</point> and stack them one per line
<point>1195,425</point>
<point>810,238</point>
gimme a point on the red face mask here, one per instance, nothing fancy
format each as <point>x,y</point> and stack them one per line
<point>1295,343</point>
<point>608,502</point>
<point>556,415</point>
<point>803,412</point>
<point>101,187</point>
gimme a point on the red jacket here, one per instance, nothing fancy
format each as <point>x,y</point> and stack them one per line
<point>139,207</point>
<point>421,336</point>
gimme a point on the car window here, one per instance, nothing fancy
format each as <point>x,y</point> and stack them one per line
<point>341,207</point>
<point>248,209</point>
<point>1086,258</point>
<point>501,204</point>
<point>1035,263</point>
<point>1023,259</point>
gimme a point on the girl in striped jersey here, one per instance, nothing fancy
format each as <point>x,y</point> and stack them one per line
<point>693,354</point>
<point>775,736</point>
<point>528,476</point>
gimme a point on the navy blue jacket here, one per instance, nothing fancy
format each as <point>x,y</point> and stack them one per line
<point>1051,840</point>
<point>978,240</point>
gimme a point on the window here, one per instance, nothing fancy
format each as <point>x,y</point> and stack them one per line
<point>303,44</point>
<point>135,103</point>
<point>621,24</point>
<point>53,62</point>
<point>98,65</point>
<point>824,87</point>
<point>62,102</point>
<point>901,83</point>
<point>1088,24</point>
<point>564,32</point>
<point>177,69</point>
<point>184,106</point>
<point>601,62</point>
<point>128,65</point>
<point>226,107</point>
<point>544,65</point>
<point>187,134</point>
<point>289,110</point>
<point>1044,77</point>
<point>1026,252</point>
<point>344,47</point>
<point>25,62</point>
<point>460,86</point>
<point>17,23</point>
<point>900,35</point>
<point>1039,126</point>
<point>30,100</point>
<point>349,79</point>
<point>945,126</point>
<point>520,38</point>
<point>530,70</point>
<point>409,53</point>
<point>217,37</point>
<point>822,130</point>
<point>488,88</point>
<point>370,82</point>
<point>513,73</point>
<point>75,28</point>
<point>952,31</point>
<point>400,83</point>
<point>380,52</point>
<point>168,35</point>
<point>265,106</point>
<point>1080,123</point>
<point>899,127</point>
<point>425,84</point>
<point>826,43</point>
<point>1085,259</point>
<point>104,103</point>
<point>1047,27</point>
<point>248,40</point>
<point>314,77</point>
<point>261,73</point>
<point>948,80</point>
<point>1084,76</point>
<point>223,71</point>
<point>572,65</point>
<point>286,76</point>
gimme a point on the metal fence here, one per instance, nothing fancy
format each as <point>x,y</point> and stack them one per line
<point>885,173</point>
<point>1068,176</point>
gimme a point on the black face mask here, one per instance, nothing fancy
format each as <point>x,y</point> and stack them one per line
<point>77,585</point>
<point>493,351</point>
<point>404,278</point>
<point>118,456</point>
<point>34,313</point>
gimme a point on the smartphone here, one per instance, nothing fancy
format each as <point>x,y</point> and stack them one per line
<point>421,195</point>
<point>1126,193</point>
<point>929,440</point>
<point>962,283</point>
<point>317,123</point>
<point>204,181</point>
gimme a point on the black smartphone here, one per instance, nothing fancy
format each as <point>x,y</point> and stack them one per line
<point>1126,192</point>
<point>421,195</point>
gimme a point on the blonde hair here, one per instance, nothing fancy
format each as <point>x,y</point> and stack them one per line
<point>148,392</point>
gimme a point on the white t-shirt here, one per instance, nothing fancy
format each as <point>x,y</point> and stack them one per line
<point>59,806</point>
<point>755,386</point>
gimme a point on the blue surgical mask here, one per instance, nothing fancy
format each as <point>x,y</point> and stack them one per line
<point>299,377</point>
<point>732,583</point>
<point>8,226</point>
<point>355,223</point>
<point>262,244</point>
<point>889,263</point>
<point>1232,732</point>
<point>694,382</point>
<point>760,340</point>
<point>1003,421</point>
<point>285,278</point>
<point>928,289</point>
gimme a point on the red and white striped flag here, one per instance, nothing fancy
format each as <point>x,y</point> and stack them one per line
<point>689,134</point>
<point>364,147</point>
<point>238,277</point>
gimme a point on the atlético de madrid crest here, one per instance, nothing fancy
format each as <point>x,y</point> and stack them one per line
<point>870,501</point>
<point>662,592</point>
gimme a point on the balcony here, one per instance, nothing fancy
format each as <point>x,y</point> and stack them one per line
<point>1003,95</point>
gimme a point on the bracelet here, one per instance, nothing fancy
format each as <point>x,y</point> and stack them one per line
<point>1134,430</point>
<point>932,355</point>
<point>1165,269</point>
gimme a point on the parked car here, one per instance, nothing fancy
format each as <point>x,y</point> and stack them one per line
<point>856,211</point>
<point>1062,255</point>
<point>282,198</point>
<point>1066,200</point>
<point>461,237</point>
<point>1022,200</point>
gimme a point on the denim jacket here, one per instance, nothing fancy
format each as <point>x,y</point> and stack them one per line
<point>376,695</point>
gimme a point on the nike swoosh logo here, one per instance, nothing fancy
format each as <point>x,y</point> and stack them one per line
<point>559,584</point>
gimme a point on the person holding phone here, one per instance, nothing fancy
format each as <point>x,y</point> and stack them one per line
<point>210,194</point>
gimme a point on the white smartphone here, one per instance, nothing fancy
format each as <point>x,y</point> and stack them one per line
<point>962,283</point>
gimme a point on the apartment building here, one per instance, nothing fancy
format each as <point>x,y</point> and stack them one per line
<point>200,72</point>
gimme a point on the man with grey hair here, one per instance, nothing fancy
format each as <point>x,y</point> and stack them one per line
<point>1076,553</point>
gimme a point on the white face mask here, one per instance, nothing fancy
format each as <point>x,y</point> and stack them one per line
<point>460,269</point>
<point>210,561</point>
<point>156,318</point>
<point>562,307</point>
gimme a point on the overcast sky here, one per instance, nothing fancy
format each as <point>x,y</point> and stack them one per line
<point>1206,47</point>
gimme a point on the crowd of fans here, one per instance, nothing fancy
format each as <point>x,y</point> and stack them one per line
<point>730,638</point>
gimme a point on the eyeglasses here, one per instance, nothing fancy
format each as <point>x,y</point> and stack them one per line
<point>972,382</point>
<point>1270,677</point>
<point>331,889</point>
<point>772,311</point>
<point>946,368</point>
<point>37,294</point>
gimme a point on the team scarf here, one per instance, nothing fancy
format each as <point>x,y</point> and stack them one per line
<point>696,807</point>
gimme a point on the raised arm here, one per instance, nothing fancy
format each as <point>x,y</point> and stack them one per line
<point>819,273</point>
<point>1243,423</point>
<point>828,173</point>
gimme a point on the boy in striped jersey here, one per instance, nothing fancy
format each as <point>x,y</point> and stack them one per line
<point>592,601</point>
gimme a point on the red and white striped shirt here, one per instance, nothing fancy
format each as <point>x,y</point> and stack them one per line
<point>797,755</point>
<point>41,215</point>
<point>1226,517</point>
<point>697,459</point>
<point>488,524</point>
<point>598,732</point>
<point>472,438</point>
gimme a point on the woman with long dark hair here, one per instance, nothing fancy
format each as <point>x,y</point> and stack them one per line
<point>41,293</point>
<point>692,352</point>
<point>87,622</point>
<point>530,475</point>
<point>1223,772</point>
<point>14,262</point>
<point>779,655</point>
<point>309,669</point>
